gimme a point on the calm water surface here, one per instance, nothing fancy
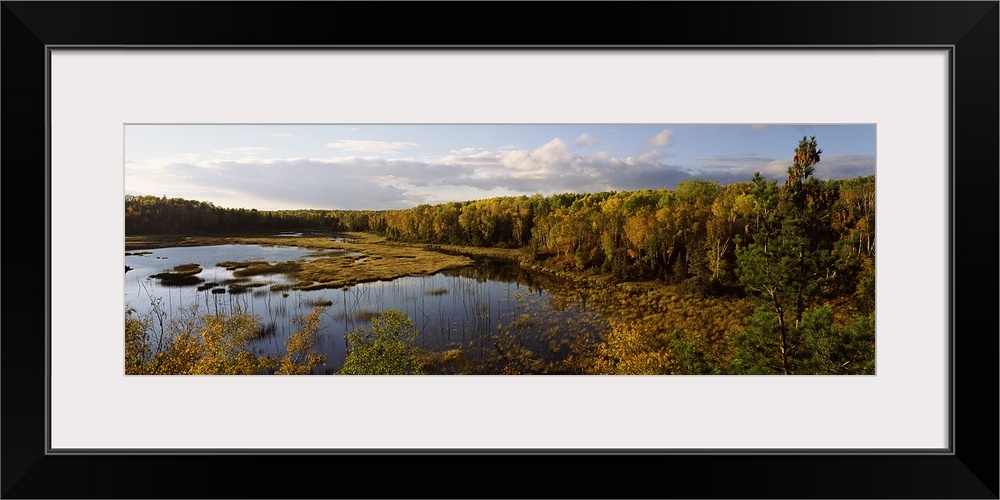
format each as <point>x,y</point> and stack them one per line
<point>455,309</point>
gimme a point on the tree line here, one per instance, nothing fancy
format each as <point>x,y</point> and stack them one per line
<point>688,235</point>
<point>692,234</point>
<point>145,214</point>
<point>802,250</point>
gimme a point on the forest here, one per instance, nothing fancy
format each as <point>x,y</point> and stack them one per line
<point>801,251</point>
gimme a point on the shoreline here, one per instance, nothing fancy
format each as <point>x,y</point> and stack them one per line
<point>356,258</point>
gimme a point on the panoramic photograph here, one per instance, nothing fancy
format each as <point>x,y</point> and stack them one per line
<point>497,249</point>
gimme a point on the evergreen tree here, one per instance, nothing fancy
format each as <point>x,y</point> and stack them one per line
<point>785,260</point>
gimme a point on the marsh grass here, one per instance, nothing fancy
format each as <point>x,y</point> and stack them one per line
<point>182,275</point>
<point>651,318</point>
<point>232,266</point>
<point>187,269</point>
<point>657,316</point>
<point>357,315</point>
<point>346,260</point>
<point>264,268</point>
<point>505,254</point>
<point>377,262</point>
<point>448,362</point>
<point>317,303</point>
<point>238,288</point>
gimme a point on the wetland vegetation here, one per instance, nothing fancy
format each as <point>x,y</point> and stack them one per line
<point>755,277</point>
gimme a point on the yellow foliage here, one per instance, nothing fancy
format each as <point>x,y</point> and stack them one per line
<point>138,352</point>
<point>217,344</point>
<point>628,349</point>
<point>224,338</point>
<point>301,346</point>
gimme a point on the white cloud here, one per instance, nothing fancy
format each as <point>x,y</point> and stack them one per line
<point>367,180</point>
<point>838,166</point>
<point>651,156</point>
<point>737,168</point>
<point>551,155</point>
<point>241,151</point>
<point>549,169</point>
<point>585,141</point>
<point>662,139</point>
<point>553,152</point>
<point>371,146</point>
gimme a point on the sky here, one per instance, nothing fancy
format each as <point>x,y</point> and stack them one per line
<point>352,167</point>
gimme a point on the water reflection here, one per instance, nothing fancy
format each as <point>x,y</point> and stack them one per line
<point>486,311</point>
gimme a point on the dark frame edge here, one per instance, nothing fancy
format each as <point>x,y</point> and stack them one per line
<point>24,419</point>
<point>976,100</point>
<point>974,60</point>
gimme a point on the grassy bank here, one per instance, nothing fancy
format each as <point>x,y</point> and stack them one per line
<point>337,261</point>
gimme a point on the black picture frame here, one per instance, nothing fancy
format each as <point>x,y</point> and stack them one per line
<point>970,470</point>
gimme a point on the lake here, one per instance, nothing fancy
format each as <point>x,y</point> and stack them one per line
<point>477,309</point>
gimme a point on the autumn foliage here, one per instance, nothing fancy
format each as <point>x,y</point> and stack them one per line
<point>214,344</point>
<point>756,277</point>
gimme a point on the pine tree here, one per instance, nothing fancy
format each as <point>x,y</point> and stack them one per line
<point>786,257</point>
